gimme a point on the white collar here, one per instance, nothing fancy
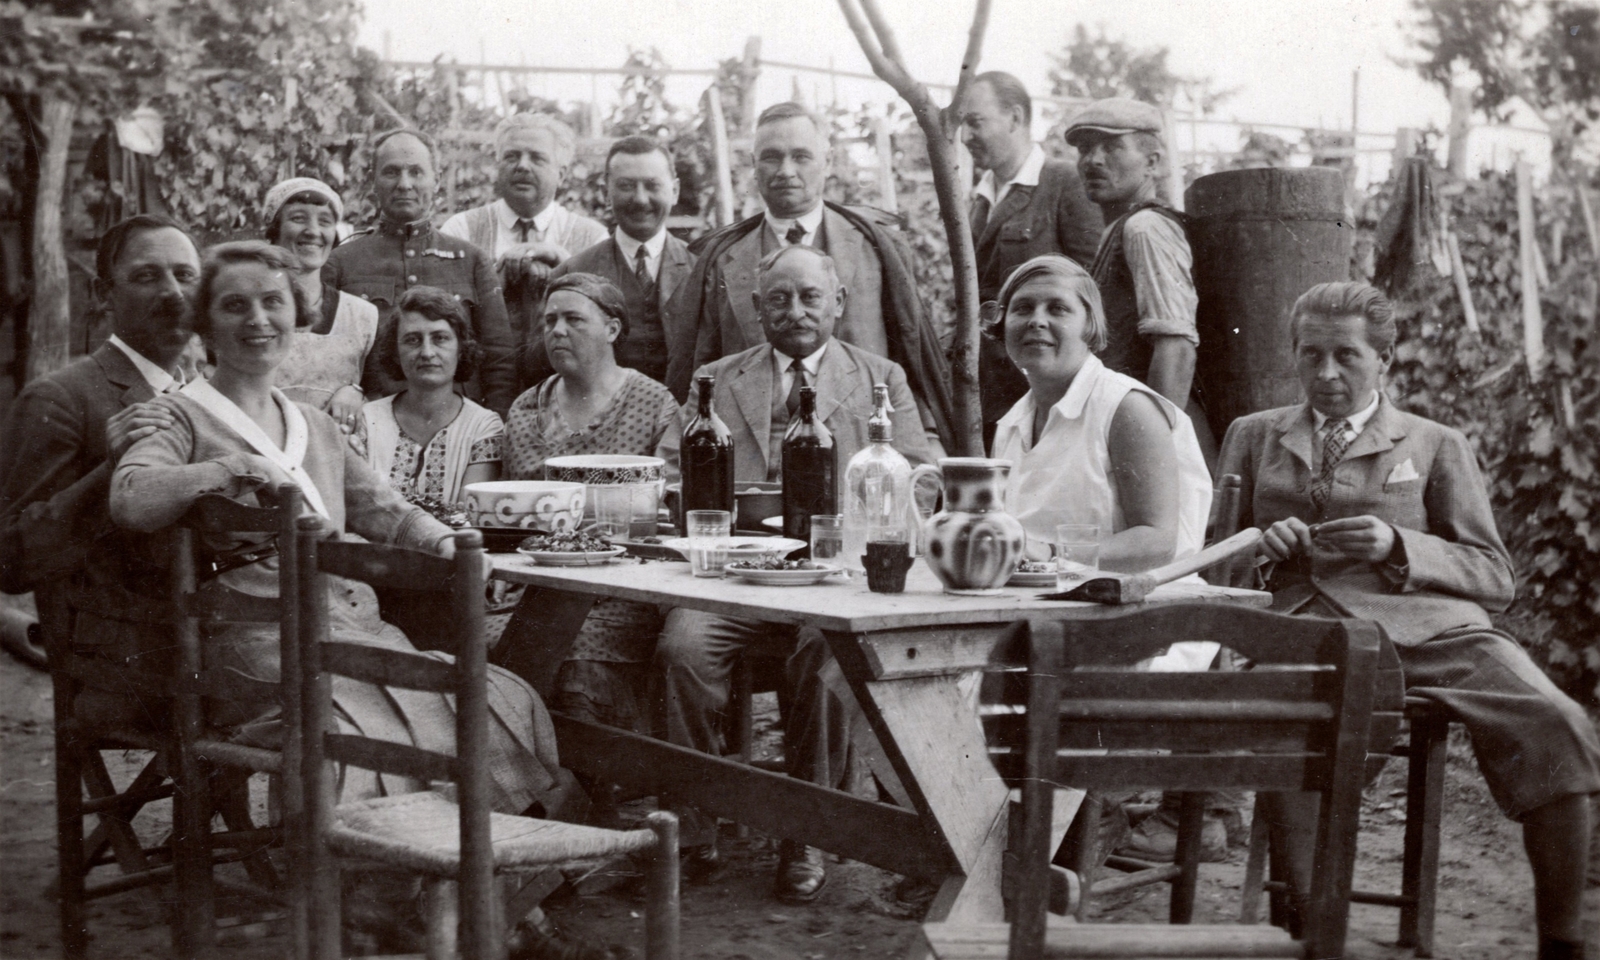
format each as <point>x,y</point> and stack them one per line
<point>1358,420</point>
<point>630,246</point>
<point>160,380</point>
<point>811,363</point>
<point>1069,406</point>
<point>811,220</point>
<point>541,221</point>
<point>290,457</point>
<point>1027,176</point>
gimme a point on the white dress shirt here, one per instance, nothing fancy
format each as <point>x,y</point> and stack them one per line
<point>1357,421</point>
<point>811,221</point>
<point>652,250</point>
<point>160,380</point>
<point>1027,176</point>
<point>783,362</point>
<point>554,224</point>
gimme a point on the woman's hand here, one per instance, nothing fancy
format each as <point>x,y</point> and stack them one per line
<point>345,407</point>
<point>275,475</point>
<point>134,423</point>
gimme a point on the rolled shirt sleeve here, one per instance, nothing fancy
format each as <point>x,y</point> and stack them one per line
<point>1162,265</point>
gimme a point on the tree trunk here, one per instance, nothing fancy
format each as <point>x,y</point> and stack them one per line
<point>49,310</point>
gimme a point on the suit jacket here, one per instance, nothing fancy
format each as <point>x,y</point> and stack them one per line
<point>743,400</point>
<point>1418,476</point>
<point>676,262</point>
<point>1053,217</point>
<point>55,522</point>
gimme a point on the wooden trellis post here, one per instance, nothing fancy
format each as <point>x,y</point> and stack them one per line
<point>50,309</point>
<point>1532,320</point>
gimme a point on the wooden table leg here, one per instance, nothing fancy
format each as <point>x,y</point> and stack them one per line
<point>936,745</point>
<point>539,635</point>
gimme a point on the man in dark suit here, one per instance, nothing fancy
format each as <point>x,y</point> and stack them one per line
<point>647,263</point>
<point>66,430</point>
<point>884,313</point>
<point>799,300</point>
<point>1373,513</point>
<point>1025,205</point>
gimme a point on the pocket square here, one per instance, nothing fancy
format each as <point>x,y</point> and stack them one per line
<point>1402,472</point>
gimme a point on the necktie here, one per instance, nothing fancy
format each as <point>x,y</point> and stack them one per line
<point>980,216</point>
<point>796,234</point>
<point>798,380</point>
<point>524,228</point>
<point>641,266</point>
<point>1333,448</point>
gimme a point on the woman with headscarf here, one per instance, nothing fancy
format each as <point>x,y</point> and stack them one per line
<point>592,406</point>
<point>325,363</point>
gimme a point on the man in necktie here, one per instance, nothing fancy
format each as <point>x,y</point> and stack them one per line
<point>404,251</point>
<point>524,231</point>
<point>1025,205</point>
<point>884,314</point>
<point>1373,513</point>
<point>66,430</point>
<point>756,392</point>
<point>648,264</point>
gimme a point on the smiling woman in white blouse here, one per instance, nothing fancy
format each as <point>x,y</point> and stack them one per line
<point>1089,445</point>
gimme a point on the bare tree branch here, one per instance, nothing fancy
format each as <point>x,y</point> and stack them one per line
<point>969,62</point>
<point>890,72</point>
<point>886,38</point>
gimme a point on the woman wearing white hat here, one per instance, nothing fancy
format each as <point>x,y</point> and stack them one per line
<point>325,364</point>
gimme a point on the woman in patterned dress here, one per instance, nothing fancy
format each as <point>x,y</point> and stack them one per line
<point>592,406</point>
<point>325,362</point>
<point>428,440</point>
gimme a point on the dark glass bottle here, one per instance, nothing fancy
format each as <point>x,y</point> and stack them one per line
<point>706,458</point>
<point>810,469</point>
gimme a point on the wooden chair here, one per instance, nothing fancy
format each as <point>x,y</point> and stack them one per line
<point>157,707</point>
<point>1077,716</point>
<point>459,845</point>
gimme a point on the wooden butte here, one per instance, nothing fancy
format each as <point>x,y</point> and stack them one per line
<point>902,654</point>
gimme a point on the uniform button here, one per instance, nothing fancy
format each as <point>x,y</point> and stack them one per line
<point>411,279</point>
<point>411,253</point>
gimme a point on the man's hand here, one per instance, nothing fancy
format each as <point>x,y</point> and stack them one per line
<point>345,406</point>
<point>533,260</point>
<point>134,423</point>
<point>1359,538</point>
<point>1286,540</point>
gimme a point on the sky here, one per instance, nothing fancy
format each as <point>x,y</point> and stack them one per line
<point>1291,60</point>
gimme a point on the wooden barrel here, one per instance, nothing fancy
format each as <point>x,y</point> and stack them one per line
<point>1260,239</point>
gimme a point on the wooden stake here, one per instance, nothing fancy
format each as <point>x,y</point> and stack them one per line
<point>1532,321</point>
<point>1459,273</point>
<point>1588,221</point>
<point>1460,129</point>
<point>719,149</point>
<point>50,310</point>
<point>886,188</point>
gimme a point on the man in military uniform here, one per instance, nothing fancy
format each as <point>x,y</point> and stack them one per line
<point>883,314</point>
<point>525,232</point>
<point>1026,205</point>
<point>647,263</point>
<point>404,251</point>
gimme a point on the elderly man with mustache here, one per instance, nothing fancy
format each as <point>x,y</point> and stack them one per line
<point>525,232</point>
<point>646,263</point>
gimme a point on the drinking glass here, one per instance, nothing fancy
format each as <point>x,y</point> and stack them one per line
<point>708,540</point>
<point>1077,553</point>
<point>613,509</point>
<point>827,537</point>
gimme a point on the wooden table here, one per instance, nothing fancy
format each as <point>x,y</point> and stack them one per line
<point>902,655</point>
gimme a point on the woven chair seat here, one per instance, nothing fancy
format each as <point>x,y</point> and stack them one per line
<point>422,832</point>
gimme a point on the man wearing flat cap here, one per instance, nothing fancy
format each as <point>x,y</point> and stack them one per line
<point>404,251</point>
<point>1144,266</point>
<point>525,232</point>
<point>1026,205</point>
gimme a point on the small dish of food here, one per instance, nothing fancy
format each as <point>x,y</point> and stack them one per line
<point>1033,573</point>
<point>568,549</point>
<point>777,572</point>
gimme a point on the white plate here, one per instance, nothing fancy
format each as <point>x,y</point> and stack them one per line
<point>1040,578</point>
<point>744,546</point>
<point>784,578</point>
<point>567,558</point>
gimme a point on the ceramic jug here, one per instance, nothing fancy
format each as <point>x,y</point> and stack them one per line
<point>973,543</point>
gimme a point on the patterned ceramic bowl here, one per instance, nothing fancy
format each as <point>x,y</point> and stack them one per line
<point>605,469</point>
<point>542,505</point>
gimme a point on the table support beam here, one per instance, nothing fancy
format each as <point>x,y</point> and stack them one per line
<point>539,635</point>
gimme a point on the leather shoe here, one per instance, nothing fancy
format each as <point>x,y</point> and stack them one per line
<point>801,875</point>
<point>528,942</point>
<point>704,865</point>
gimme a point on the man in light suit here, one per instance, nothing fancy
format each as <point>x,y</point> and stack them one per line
<point>647,263</point>
<point>1373,513</point>
<point>65,432</point>
<point>799,300</point>
<point>884,313</point>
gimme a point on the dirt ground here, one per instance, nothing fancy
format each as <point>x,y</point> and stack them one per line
<point>1485,910</point>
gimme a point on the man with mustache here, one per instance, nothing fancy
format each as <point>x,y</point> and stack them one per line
<point>525,232</point>
<point>1025,205</point>
<point>647,263</point>
<point>799,301</point>
<point>67,429</point>
<point>1144,265</point>
<point>884,313</point>
<point>405,251</point>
